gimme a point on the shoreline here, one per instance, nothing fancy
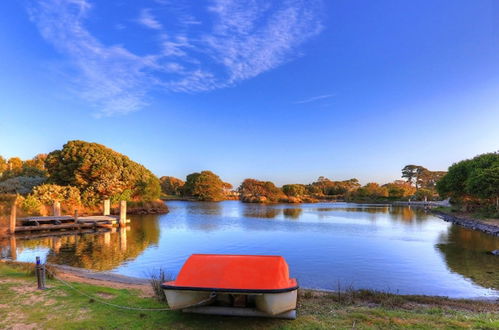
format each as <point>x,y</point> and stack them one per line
<point>118,281</point>
<point>467,222</point>
<point>79,302</point>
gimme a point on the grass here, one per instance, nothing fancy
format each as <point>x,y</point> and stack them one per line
<point>60,307</point>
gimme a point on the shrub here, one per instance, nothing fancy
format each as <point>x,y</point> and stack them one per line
<point>22,185</point>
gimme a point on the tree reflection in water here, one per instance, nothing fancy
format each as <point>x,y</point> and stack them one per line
<point>466,252</point>
<point>99,251</point>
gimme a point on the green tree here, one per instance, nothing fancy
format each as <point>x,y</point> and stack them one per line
<point>204,186</point>
<point>484,183</point>
<point>99,172</point>
<point>472,179</point>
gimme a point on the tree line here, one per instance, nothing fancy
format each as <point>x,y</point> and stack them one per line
<point>419,184</point>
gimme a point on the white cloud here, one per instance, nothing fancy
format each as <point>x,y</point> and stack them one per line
<point>238,40</point>
<point>315,98</point>
<point>148,20</point>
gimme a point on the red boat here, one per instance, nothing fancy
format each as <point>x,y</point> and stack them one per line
<point>234,285</point>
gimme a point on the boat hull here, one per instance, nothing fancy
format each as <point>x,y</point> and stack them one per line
<point>268,303</point>
<point>178,299</point>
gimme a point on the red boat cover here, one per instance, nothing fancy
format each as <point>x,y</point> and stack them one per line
<point>234,272</point>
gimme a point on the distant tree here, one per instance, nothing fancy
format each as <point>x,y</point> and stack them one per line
<point>99,172</point>
<point>399,189</point>
<point>255,191</point>
<point>371,190</point>
<point>171,186</point>
<point>3,165</point>
<point>15,163</point>
<point>424,194</point>
<point>294,190</point>
<point>204,186</point>
<point>37,162</point>
<point>412,173</point>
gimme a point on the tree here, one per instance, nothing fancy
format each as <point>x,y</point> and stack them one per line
<point>371,190</point>
<point>255,191</point>
<point>472,179</point>
<point>204,186</point>
<point>412,173</point>
<point>3,165</point>
<point>99,172</point>
<point>294,190</point>
<point>171,186</point>
<point>399,189</point>
<point>484,183</point>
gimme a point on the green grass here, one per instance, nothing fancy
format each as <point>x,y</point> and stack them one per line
<point>60,307</point>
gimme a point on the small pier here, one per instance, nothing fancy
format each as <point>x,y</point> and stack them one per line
<point>72,223</point>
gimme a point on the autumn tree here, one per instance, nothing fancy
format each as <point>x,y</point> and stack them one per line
<point>171,186</point>
<point>99,172</point>
<point>371,190</point>
<point>255,191</point>
<point>399,189</point>
<point>204,186</point>
<point>294,190</point>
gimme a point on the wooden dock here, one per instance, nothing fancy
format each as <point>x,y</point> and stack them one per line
<point>57,222</point>
<point>65,223</point>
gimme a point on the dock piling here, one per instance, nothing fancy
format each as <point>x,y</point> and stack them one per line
<point>56,209</point>
<point>122,222</point>
<point>107,207</point>
<point>12,219</point>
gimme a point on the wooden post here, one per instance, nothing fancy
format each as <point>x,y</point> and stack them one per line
<point>107,207</point>
<point>123,238</point>
<point>122,213</point>
<point>56,209</point>
<point>13,248</point>
<point>12,219</point>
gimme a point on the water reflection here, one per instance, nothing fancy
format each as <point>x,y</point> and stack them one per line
<point>369,246</point>
<point>466,252</point>
<point>261,211</point>
<point>292,213</point>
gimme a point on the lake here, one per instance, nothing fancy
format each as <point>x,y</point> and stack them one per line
<point>327,246</point>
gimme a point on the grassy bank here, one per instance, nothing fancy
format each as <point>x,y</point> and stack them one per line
<point>61,307</point>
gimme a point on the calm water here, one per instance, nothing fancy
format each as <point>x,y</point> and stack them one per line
<point>327,245</point>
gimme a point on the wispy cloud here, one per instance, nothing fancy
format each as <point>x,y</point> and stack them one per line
<point>238,40</point>
<point>148,20</point>
<point>314,98</point>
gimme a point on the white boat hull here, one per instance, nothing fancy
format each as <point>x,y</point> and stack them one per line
<point>269,303</point>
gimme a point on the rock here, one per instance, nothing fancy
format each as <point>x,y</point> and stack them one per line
<point>495,252</point>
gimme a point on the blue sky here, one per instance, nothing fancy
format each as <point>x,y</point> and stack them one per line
<point>283,90</point>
